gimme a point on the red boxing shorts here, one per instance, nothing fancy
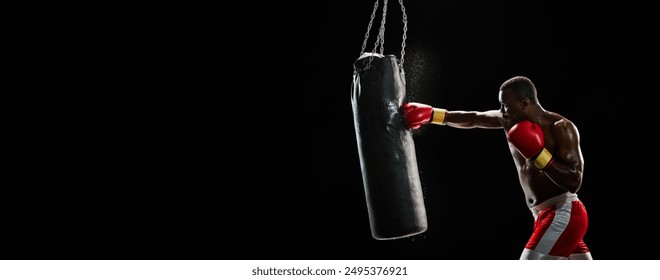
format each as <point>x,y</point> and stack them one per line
<point>559,227</point>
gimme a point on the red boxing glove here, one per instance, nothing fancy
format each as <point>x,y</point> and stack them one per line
<point>418,114</point>
<point>528,139</point>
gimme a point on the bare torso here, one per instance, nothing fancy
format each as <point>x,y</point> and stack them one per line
<point>535,184</point>
<point>561,140</point>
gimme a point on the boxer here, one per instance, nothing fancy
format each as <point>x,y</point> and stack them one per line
<point>545,147</point>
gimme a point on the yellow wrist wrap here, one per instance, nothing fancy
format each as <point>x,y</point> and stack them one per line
<point>439,116</point>
<point>542,160</point>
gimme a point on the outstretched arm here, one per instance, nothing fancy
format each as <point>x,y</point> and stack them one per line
<point>418,114</point>
<point>474,119</point>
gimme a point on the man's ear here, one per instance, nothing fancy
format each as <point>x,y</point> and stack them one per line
<point>525,101</point>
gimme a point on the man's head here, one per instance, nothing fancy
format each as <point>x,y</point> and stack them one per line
<point>517,95</point>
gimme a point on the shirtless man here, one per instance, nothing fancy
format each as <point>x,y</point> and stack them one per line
<point>545,147</point>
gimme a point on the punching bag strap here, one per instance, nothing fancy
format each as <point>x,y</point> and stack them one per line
<point>380,39</point>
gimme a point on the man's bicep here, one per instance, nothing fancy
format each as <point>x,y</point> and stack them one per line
<point>569,143</point>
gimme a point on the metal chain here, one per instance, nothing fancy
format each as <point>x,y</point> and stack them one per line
<point>366,35</point>
<point>381,31</point>
<point>380,39</point>
<point>405,30</point>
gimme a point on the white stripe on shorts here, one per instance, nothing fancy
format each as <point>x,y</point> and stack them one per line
<point>559,224</point>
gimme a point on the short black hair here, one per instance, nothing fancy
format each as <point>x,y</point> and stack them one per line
<point>522,86</point>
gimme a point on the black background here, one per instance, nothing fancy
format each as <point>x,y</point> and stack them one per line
<point>582,60</point>
<point>250,152</point>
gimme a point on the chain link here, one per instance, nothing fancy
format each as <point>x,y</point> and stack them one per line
<point>366,35</point>
<point>381,31</point>
<point>380,38</point>
<point>405,30</point>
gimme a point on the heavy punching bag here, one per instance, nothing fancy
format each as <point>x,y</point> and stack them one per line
<point>386,150</point>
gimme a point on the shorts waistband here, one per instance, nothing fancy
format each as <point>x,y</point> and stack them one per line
<point>555,200</point>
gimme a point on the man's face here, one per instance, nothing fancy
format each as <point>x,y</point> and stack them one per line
<point>511,106</point>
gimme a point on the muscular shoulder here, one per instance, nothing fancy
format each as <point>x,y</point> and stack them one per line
<point>563,126</point>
